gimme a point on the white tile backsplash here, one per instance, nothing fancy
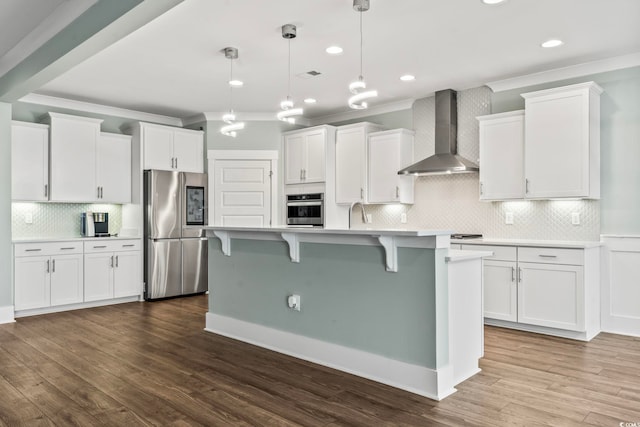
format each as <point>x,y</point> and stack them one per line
<point>57,219</point>
<point>451,201</point>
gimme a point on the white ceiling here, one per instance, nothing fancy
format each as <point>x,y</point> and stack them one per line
<point>174,65</point>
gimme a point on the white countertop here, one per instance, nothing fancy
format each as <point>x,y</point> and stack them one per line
<point>71,239</point>
<point>328,231</point>
<point>456,255</point>
<point>528,242</point>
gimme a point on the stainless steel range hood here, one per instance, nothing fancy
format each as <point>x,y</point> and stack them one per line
<point>445,160</point>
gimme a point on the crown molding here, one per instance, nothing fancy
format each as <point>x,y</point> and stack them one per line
<point>390,107</point>
<point>52,101</point>
<point>242,116</point>
<point>595,67</point>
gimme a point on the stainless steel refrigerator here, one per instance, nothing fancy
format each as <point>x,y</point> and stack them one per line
<point>176,257</point>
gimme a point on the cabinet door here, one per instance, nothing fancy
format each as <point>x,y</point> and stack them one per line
<point>66,279</point>
<point>384,163</point>
<point>32,282</point>
<point>557,146</point>
<point>500,290</point>
<point>350,165</point>
<point>314,155</point>
<point>29,162</point>
<point>98,276</point>
<point>551,295</point>
<point>188,151</point>
<point>126,274</point>
<point>501,157</point>
<point>158,147</point>
<point>294,150</point>
<point>113,168</point>
<point>73,159</point>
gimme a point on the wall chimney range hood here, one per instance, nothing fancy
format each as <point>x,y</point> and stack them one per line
<point>445,160</point>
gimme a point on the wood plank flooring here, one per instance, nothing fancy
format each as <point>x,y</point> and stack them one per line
<point>152,364</point>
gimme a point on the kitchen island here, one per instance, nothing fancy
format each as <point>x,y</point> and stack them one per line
<point>395,306</point>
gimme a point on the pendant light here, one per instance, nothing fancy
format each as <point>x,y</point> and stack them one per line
<point>289,113</point>
<point>229,118</point>
<point>357,88</point>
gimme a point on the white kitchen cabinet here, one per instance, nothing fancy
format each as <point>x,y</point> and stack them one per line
<point>47,274</point>
<point>112,269</point>
<point>113,168</point>
<point>29,161</point>
<point>305,155</point>
<point>171,148</point>
<point>351,161</point>
<point>502,156</point>
<point>500,290</point>
<point>72,157</point>
<point>562,142</point>
<point>390,151</point>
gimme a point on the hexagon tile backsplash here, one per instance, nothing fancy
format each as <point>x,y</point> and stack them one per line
<point>57,220</point>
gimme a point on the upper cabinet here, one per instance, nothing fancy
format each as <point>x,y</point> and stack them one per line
<point>501,156</point>
<point>351,162</point>
<point>305,155</point>
<point>562,142</point>
<point>390,151</point>
<point>171,148</point>
<point>113,168</point>
<point>29,161</point>
<point>73,143</point>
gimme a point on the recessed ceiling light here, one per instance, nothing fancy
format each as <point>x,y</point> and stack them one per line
<point>310,101</point>
<point>407,78</point>
<point>493,1</point>
<point>552,43</point>
<point>334,50</point>
<point>235,83</point>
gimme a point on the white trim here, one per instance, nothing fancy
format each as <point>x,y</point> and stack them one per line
<point>413,378</point>
<point>595,67</point>
<point>612,283</point>
<point>7,314</point>
<point>88,107</point>
<point>580,336</point>
<point>390,107</point>
<point>58,308</point>
<point>242,154</point>
<point>214,116</point>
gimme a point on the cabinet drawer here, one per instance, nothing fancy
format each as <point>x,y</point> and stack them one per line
<point>501,253</point>
<point>47,248</point>
<point>112,246</point>
<point>551,255</point>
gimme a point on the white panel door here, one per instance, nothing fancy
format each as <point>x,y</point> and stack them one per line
<point>29,161</point>
<point>293,160</point>
<point>32,282</point>
<point>98,276</point>
<point>350,165</point>
<point>66,279</point>
<point>551,295</point>
<point>158,147</point>
<point>113,168</point>
<point>500,290</point>
<point>188,150</point>
<point>384,163</point>
<point>314,167</point>
<point>242,193</point>
<point>126,279</point>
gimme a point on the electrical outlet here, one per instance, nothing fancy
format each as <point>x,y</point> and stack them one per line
<point>369,218</point>
<point>508,218</point>
<point>293,302</point>
<point>575,218</point>
<point>28,218</point>
<point>403,218</point>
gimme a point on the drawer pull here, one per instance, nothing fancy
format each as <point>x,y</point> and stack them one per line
<point>32,250</point>
<point>67,249</point>
<point>548,256</point>
<point>99,247</point>
<point>513,274</point>
<point>128,246</point>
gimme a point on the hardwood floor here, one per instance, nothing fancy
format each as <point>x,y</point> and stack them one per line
<point>152,364</point>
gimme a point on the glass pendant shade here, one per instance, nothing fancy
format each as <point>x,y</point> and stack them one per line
<point>229,118</point>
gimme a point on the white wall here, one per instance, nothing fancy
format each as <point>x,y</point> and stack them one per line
<point>6,252</point>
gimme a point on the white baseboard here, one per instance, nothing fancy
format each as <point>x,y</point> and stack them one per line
<point>7,314</point>
<point>581,336</point>
<point>59,308</point>
<point>413,378</point>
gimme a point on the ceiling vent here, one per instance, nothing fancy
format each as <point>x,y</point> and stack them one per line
<point>309,74</point>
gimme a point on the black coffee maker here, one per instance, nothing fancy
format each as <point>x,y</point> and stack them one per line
<point>101,224</point>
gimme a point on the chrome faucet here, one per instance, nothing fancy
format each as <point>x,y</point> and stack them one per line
<point>364,213</point>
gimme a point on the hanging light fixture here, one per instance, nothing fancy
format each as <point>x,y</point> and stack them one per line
<point>229,118</point>
<point>289,113</point>
<point>358,88</point>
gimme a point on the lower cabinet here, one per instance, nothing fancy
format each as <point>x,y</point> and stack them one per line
<point>112,269</point>
<point>543,287</point>
<point>47,274</point>
<point>50,274</point>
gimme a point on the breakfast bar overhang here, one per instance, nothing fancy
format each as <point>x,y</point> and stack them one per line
<point>394,306</point>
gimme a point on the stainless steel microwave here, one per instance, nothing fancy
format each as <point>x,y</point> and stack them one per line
<point>305,210</point>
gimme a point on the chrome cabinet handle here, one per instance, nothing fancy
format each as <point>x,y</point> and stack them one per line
<point>128,246</point>
<point>526,187</point>
<point>481,188</point>
<point>116,260</point>
<point>99,247</point>
<point>67,249</point>
<point>397,191</point>
<point>46,190</point>
<point>513,274</point>
<point>547,256</point>
<point>111,261</point>
<point>362,194</point>
<point>53,266</point>
<point>300,174</point>
<point>176,163</point>
<point>47,266</point>
<point>33,250</point>
<point>519,274</point>
<point>97,192</point>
